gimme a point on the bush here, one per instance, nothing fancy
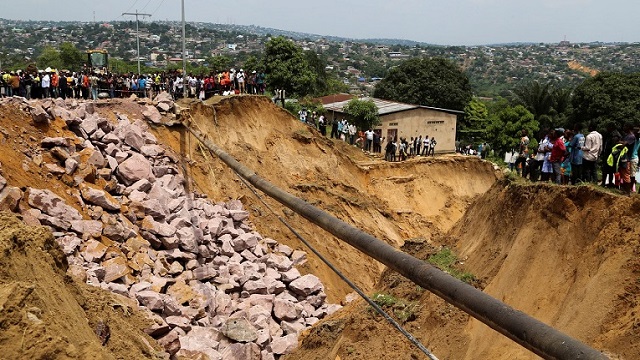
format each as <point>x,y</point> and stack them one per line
<point>446,261</point>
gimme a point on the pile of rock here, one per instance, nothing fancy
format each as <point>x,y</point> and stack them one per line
<point>213,285</point>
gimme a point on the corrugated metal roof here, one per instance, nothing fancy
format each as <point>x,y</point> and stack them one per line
<point>386,106</point>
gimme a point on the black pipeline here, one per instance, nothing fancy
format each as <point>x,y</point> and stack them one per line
<point>532,334</point>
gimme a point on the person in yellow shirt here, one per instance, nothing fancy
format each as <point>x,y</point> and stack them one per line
<point>6,79</point>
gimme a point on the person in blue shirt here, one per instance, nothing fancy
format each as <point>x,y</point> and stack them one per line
<point>142,83</point>
<point>575,154</point>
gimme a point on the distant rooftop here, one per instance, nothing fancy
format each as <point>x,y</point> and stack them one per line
<point>385,106</point>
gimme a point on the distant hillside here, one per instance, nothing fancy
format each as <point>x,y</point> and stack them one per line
<point>492,69</point>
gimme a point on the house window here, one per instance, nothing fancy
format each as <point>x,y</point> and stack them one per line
<point>432,122</point>
<point>393,124</point>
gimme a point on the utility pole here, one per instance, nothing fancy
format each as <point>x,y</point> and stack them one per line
<point>184,56</point>
<point>136,14</point>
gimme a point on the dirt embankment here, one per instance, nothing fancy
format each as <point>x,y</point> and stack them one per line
<point>567,256</point>
<point>420,198</point>
<point>44,314</point>
<point>393,201</point>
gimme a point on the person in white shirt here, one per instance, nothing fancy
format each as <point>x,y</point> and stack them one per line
<point>352,134</point>
<point>591,151</point>
<point>369,137</point>
<point>240,77</point>
<point>46,85</point>
<point>426,146</point>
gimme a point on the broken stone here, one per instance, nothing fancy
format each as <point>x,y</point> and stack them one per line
<point>178,321</point>
<point>202,340</point>
<point>54,169</point>
<point>93,251</point>
<point>115,268</point>
<point>157,228</point>
<point>152,114</point>
<point>99,197</point>
<point>306,285</point>
<point>10,197</point>
<point>151,300</point>
<point>135,168</point>
<point>284,345</point>
<point>39,115</point>
<point>250,351</point>
<point>240,329</point>
<point>70,166</point>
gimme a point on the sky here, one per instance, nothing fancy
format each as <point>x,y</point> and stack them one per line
<point>444,22</point>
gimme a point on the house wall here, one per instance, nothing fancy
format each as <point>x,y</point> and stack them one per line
<point>416,122</point>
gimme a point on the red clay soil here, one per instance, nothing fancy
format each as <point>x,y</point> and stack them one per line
<point>565,255</point>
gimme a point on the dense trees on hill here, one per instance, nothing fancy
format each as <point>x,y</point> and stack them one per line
<point>66,57</point>
<point>608,97</point>
<point>431,82</point>
<point>549,103</point>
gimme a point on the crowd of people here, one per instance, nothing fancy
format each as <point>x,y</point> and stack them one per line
<point>371,141</point>
<point>51,83</point>
<point>571,157</point>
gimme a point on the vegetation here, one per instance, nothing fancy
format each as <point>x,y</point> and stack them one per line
<point>526,86</point>
<point>403,310</point>
<point>363,113</point>
<point>432,82</point>
<point>447,261</point>
<point>287,68</point>
<point>608,97</point>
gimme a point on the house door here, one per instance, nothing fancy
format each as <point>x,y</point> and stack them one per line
<point>391,134</point>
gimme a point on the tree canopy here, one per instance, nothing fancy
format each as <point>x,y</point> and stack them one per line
<point>70,57</point>
<point>608,97</point>
<point>549,103</point>
<point>433,82</point>
<point>67,56</point>
<point>505,129</point>
<point>474,126</point>
<point>363,113</point>
<point>287,68</point>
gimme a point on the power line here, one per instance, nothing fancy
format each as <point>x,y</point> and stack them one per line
<point>137,14</point>
<point>157,8</point>
<point>131,7</point>
<point>145,5</point>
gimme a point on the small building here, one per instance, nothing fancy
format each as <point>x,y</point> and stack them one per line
<point>407,120</point>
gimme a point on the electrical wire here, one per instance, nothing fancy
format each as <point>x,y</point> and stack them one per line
<point>144,7</point>
<point>355,287</point>
<point>157,8</point>
<point>131,7</point>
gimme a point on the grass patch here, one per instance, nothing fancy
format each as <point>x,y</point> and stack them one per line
<point>403,310</point>
<point>446,261</point>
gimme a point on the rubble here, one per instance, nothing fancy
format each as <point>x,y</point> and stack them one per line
<point>214,287</point>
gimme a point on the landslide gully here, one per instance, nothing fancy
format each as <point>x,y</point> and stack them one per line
<point>128,223</point>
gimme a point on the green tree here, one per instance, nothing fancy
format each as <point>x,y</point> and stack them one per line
<point>71,58</point>
<point>505,129</point>
<point>432,82</point>
<point>219,63</point>
<point>50,57</point>
<point>475,123</point>
<point>287,68</point>
<point>608,97</point>
<point>364,113</point>
<point>251,64</point>
<point>549,104</point>
<point>535,97</point>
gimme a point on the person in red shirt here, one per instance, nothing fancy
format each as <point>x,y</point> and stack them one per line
<point>558,153</point>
